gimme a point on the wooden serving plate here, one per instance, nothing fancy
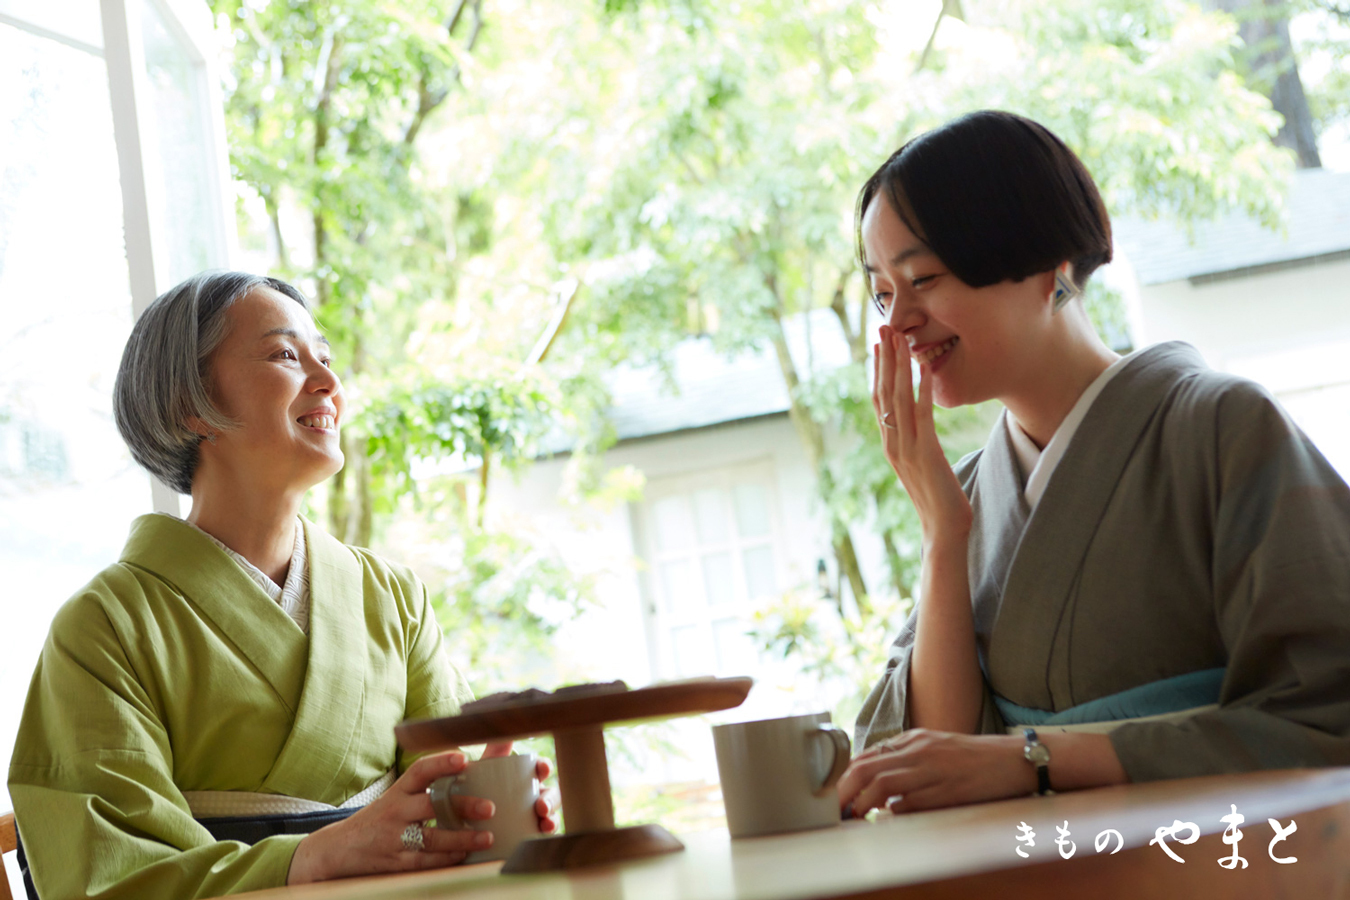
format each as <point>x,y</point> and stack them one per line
<point>577,724</point>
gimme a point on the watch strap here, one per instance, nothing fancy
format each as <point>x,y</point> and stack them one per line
<point>1038,755</point>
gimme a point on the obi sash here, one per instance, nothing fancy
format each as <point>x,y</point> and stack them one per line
<point>247,829</point>
<point>1169,699</point>
<point>251,829</point>
<point>249,817</point>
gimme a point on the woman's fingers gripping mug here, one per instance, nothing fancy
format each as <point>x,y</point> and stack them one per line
<point>779,774</point>
<point>510,783</point>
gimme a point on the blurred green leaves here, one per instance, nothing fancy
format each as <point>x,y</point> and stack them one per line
<point>472,422</point>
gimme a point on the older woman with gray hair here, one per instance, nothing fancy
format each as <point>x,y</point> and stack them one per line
<point>215,712</point>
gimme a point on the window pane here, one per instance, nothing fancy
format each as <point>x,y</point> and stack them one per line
<point>693,656</point>
<point>752,510</point>
<point>185,204</point>
<point>674,530</point>
<point>677,585</point>
<point>710,513</point>
<point>719,579</point>
<point>735,651</point>
<point>68,487</point>
<point>760,580</point>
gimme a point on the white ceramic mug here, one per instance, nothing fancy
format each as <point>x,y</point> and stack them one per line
<point>510,783</point>
<point>779,774</point>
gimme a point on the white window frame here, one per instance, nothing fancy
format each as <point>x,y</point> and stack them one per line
<point>123,51</point>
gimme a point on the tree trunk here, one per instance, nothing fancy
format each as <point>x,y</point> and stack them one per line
<point>813,439</point>
<point>337,498</point>
<point>1272,69</point>
<point>893,559</point>
<point>483,471</point>
<point>350,513</point>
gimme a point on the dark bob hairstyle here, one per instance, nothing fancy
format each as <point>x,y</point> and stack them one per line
<point>997,197</point>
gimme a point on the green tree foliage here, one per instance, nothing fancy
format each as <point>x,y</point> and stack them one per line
<point>482,419</point>
<point>329,106</point>
<point>326,103</point>
<point>639,172</point>
<point>694,167</point>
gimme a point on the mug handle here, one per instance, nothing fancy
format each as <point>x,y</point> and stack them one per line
<point>842,753</point>
<point>446,817</point>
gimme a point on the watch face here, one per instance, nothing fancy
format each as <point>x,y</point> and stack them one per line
<point>1037,753</point>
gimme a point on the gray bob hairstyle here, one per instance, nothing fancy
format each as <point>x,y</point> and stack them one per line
<point>162,380</point>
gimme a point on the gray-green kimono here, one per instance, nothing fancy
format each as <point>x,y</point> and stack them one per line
<point>172,671</point>
<point>1190,526</point>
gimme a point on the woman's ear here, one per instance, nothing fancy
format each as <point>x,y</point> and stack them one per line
<point>200,428</point>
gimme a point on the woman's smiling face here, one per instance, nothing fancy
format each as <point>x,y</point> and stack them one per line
<point>975,339</point>
<point>272,376</point>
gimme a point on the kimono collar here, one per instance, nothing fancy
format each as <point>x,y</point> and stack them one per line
<point>1038,579</point>
<point>332,708</point>
<point>322,679</point>
<point>293,596</point>
<point>1038,465</point>
<point>221,592</point>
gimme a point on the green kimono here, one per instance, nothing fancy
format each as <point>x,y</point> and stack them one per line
<point>1190,526</point>
<point>171,671</point>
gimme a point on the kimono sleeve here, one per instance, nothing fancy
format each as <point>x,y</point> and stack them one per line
<point>92,783</point>
<point>885,712</point>
<point>1281,597</point>
<point>435,687</point>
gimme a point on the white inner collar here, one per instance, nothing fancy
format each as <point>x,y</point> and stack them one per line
<point>293,596</point>
<point>1038,465</point>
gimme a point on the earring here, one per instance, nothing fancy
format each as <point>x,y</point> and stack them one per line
<point>211,437</point>
<point>1065,290</point>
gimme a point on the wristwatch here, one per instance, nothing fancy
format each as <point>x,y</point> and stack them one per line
<point>1038,755</point>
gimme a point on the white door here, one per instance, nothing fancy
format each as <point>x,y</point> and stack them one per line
<point>711,544</point>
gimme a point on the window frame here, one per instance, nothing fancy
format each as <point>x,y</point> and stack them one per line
<point>189,24</point>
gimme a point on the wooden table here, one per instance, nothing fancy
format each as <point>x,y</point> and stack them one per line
<point>967,852</point>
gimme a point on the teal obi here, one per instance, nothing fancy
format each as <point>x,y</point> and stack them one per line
<point>1168,695</point>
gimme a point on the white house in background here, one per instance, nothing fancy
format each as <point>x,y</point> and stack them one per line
<point>728,517</point>
<point>1273,307</point>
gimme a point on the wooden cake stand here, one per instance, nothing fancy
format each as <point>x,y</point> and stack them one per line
<point>577,724</point>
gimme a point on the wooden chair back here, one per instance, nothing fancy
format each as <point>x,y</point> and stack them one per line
<point>9,842</point>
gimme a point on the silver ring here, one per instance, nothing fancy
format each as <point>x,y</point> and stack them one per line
<point>886,420</point>
<point>413,838</point>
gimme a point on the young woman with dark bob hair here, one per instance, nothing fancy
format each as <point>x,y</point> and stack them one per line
<point>214,713</point>
<point>1144,574</point>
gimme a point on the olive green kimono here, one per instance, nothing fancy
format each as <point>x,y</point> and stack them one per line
<point>171,671</point>
<point>1189,526</point>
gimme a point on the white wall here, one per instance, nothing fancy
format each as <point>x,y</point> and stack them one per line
<point>612,643</point>
<point>1245,317</point>
<point>1289,331</point>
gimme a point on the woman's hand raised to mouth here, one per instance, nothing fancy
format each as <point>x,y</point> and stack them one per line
<point>944,675</point>
<point>910,440</point>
